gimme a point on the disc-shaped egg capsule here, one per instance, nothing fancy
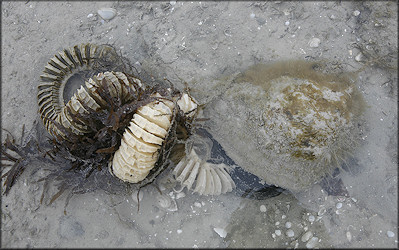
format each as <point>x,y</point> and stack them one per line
<point>57,72</point>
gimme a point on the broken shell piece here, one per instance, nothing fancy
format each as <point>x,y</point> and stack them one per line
<point>222,233</point>
<point>359,57</point>
<point>167,202</point>
<point>312,242</point>
<point>187,104</point>
<point>139,194</point>
<point>209,178</point>
<point>314,42</point>
<point>306,236</point>
<point>106,13</point>
<point>180,195</point>
<point>164,201</point>
<point>290,233</point>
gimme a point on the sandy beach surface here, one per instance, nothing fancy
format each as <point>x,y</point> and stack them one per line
<point>198,42</point>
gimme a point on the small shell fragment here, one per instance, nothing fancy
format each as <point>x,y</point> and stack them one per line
<point>359,57</point>
<point>349,236</point>
<point>180,195</point>
<point>167,202</point>
<point>321,211</point>
<point>306,236</point>
<point>290,233</point>
<point>164,201</point>
<point>390,234</point>
<point>139,198</point>
<point>222,233</point>
<point>106,13</point>
<point>312,242</point>
<point>262,208</point>
<point>314,42</point>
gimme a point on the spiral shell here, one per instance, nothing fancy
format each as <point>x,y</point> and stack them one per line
<point>209,178</point>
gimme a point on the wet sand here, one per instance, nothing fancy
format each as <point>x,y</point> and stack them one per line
<point>197,42</point>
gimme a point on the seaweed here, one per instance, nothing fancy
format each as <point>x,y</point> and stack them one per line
<point>18,166</point>
<point>21,154</point>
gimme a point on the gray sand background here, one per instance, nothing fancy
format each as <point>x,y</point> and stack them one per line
<point>198,42</point>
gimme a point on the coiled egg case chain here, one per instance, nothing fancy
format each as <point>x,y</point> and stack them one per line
<point>209,178</point>
<point>142,140</point>
<point>145,136</point>
<point>85,101</point>
<point>143,143</point>
<point>79,58</point>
